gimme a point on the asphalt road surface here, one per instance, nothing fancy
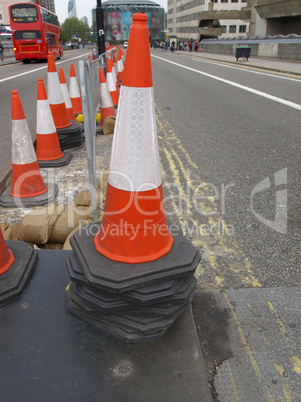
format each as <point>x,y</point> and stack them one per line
<point>229,143</point>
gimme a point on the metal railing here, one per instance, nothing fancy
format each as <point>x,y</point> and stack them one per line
<point>90,97</point>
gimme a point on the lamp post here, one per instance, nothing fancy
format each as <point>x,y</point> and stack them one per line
<point>100,28</point>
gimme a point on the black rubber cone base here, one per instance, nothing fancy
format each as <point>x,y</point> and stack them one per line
<point>129,326</point>
<point>14,281</point>
<point>70,137</point>
<point>162,291</point>
<point>116,277</point>
<point>7,201</point>
<point>63,161</point>
<point>109,302</point>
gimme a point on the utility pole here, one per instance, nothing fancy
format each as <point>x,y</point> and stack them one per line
<point>100,28</point>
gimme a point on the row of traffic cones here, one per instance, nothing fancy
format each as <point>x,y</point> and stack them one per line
<point>53,116</point>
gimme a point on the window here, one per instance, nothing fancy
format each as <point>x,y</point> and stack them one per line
<point>27,35</point>
<point>234,1</point>
<point>224,1</point>
<point>242,28</point>
<point>232,28</point>
<point>51,39</point>
<point>224,29</point>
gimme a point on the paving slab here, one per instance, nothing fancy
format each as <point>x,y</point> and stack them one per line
<point>264,336</point>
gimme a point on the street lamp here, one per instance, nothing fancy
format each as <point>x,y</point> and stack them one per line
<point>100,28</point>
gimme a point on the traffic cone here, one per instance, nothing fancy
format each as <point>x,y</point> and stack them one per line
<point>106,103</point>
<point>49,153</point>
<point>133,231</point>
<point>69,132</point>
<point>66,96</point>
<point>134,194</point>
<point>114,62</point>
<point>112,83</point>
<point>27,183</point>
<point>17,264</point>
<point>74,92</point>
<point>55,96</point>
<point>119,66</point>
<point>6,255</point>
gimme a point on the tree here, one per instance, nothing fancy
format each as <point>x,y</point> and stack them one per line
<point>74,26</point>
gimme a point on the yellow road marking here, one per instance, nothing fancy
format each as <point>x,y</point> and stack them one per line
<point>182,166</point>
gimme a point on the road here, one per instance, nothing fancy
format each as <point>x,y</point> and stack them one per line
<point>229,141</point>
<point>232,136</point>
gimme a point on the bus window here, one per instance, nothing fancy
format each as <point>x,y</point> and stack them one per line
<point>25,13</point>
<point>27,35</point>
<point>51,40</point>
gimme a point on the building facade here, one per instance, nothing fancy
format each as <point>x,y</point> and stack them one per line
<point>118,18</point>
<point>201,19</point>
<point>49,4</point>
<point>72,9</point>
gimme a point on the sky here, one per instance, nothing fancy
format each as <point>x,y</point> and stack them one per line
<point>84,7</point>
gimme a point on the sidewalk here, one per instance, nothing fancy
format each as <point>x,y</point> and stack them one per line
<point>9,60</point>
<point>284,66</point>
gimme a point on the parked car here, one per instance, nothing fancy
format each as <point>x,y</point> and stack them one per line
<point>125,45</point>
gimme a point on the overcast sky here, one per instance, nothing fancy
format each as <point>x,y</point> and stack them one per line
<point>84,7</point>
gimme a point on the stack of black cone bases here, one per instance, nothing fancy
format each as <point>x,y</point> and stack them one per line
<point>133,302</point>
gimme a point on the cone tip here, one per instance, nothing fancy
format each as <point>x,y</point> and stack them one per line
<point>62,78</point>
<point>17,111</point>
<point>72,70</point>
<point>41,90</point>
<point>51,63</point>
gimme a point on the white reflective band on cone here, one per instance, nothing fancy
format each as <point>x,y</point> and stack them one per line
<point>105,97</point>
<point>111,82</point>
<point>54,92</point>
<point>45,123</point>
<point>22,148</point>
<point>135,147</point>
<point>73,88</point>
<point>66,96</point>
<point>119,66</point>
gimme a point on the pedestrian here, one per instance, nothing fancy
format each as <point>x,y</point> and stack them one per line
<point>1,51</point>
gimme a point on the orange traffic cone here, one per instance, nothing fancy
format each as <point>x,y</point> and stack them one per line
<point>111,81</point>
<point>26,176</point>
<point>74,92</point>
<point>6,255</point>
<point>27,183</point>
<point>66,96</point>
<point>17,263</point>
<point>134,228</point>
<point>119,66</point>
<point>49,153</point>
<point>55,96</point>
<point>106,103</point>
<point>114,62</point>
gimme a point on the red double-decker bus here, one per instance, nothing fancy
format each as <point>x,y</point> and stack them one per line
<point>35,31</point>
